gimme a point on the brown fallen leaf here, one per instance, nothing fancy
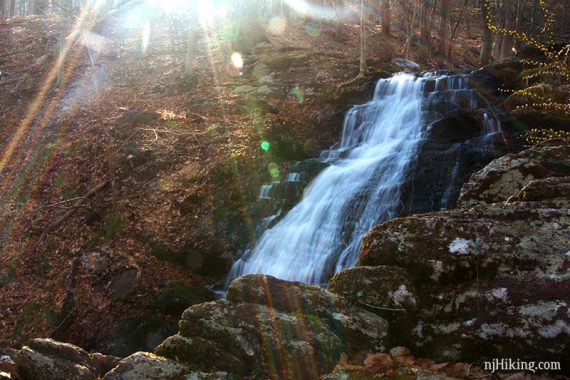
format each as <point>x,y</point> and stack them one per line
<point>378,363</point>
<point>405,360</point>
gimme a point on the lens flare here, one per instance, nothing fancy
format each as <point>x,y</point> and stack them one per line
<point>277,25</point>
<point>145,37</point>
<point>237,60</point>
<point>265,146</point>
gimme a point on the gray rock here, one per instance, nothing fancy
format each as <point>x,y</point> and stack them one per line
<point>381,287</point>
<point>544,189</point>
<point>146,366</point>
<point>124,284</point>
<point>269,326</point>
<point>406,64</point>
<point>492,280</point>
<point>32,364</point>
<point>506,176</point>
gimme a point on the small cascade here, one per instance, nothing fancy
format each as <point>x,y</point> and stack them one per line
<point>361,184</point>
<point>491,124</point>
<point>293,177</point>
<point>265,191</point>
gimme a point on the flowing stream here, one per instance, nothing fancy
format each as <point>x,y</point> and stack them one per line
<point>361,187</point>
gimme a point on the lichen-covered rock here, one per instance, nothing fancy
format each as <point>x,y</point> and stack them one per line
<point>492,280</point>
<point>269,327</point>
<point>7,367</point>
<point>557,94</point>
<point>146,366</point>
<point>380,288</point>
<point>544,189</point>
<point>32,364</point>
<point>50,359</point>
<point>357,327</point>
<point>462,245</point>
<point>252,340</point>
<point>507,175</point>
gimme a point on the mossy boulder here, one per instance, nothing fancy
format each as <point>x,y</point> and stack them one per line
<point>491,279</point>
<point>538,93</point>
<point>146,366</point>
<point>269,327</point>
<point>507,175</point>
<point>46,359</point>
<point>380,288</point>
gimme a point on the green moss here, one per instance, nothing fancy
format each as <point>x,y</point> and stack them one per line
<point>32,315</point>
<point>7,275</point>
<point>42,266</point>
<point>113,227</point>
<point>72,149</point>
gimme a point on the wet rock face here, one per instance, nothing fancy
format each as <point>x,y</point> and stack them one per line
<point>269,326</point>
<point>491,280</point>
<point>507,175</point>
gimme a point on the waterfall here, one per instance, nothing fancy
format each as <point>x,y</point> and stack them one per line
<point>361,187</point>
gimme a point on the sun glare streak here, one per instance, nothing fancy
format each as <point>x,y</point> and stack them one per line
<point>36,104</point>
<point>145,37</point>
<point>22,150</point>
<point>319,11</point>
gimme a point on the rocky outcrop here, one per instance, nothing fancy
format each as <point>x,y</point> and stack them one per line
<point>144,365</point>
<point>491,280</point>
<point>46,359</point>
<point>380,287</point>
<point>507,175</point>
<point>269,326</point>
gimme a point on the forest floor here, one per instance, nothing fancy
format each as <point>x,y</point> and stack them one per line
<point>119,187</point>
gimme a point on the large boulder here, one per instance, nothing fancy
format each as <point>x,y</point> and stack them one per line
<point>491,280</point>
<point>146,366</point>
<point>382,288</point>
<point>507,175</point>
<point>270,326</point>
<point>46,359</point>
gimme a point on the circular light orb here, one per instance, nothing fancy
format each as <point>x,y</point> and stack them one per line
<point>265,146</point>
<point>277,25</point>
<point>237,60</point>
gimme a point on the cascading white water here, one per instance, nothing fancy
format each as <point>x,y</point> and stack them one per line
<point>360,188</point>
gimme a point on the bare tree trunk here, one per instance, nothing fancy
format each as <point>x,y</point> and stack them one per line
<point>443,37</point>
<point>487,39</point>
<point>338,5</point>
<point>532,18</point>
<point>363,67</point>
<point>12,8</point>
<point>508,41</point>
<point>386,16</point>
<point>454,31</point>
<point>468,14</point>
<point>425,34</point>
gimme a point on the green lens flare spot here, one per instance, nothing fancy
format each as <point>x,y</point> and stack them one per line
<point>265,146</point>
<point>298,93</point>
<point>273,170</point>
